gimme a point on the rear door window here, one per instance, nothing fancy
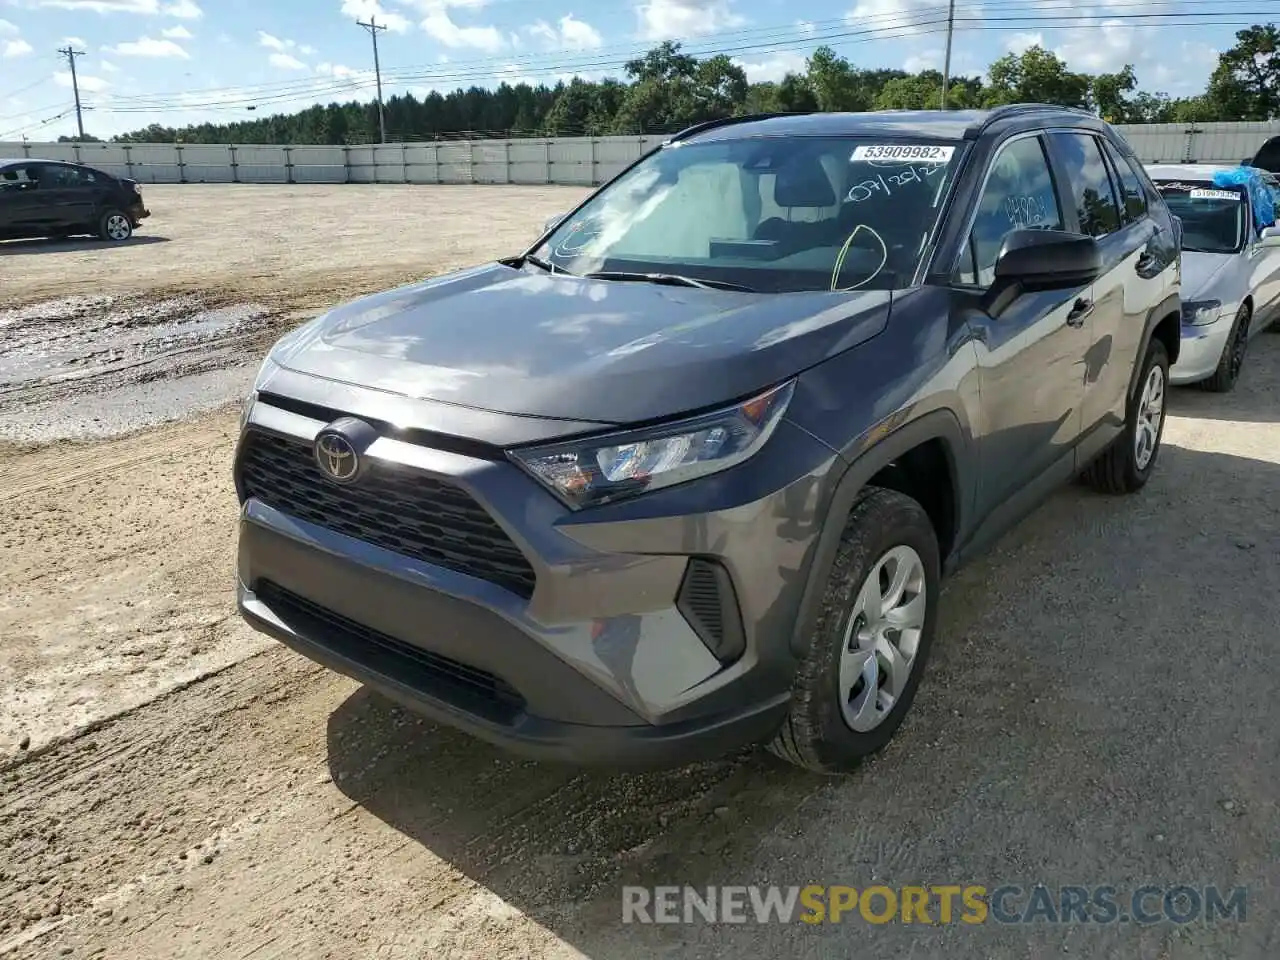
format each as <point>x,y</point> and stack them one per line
<point>1090,183</point>
<point>14,179</point>
<point>1134,206</point>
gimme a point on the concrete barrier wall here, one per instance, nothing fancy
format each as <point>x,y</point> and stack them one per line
<point>569,160</point>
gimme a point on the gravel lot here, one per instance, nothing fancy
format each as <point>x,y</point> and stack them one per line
<point>1101,708</point>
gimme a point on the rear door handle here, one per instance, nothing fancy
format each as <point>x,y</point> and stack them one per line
<point>1079,310</point>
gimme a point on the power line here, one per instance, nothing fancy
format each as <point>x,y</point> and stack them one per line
<point>42,123</point>
<point>373,27</point>
<point>71,53</point>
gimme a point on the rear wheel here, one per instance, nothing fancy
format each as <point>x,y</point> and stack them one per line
<point>115,226</point>
<point>1228,371</point>
<point>872,639</point>
<point>1126,465</point>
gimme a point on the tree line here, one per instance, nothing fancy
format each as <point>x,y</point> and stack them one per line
<point>667,89</point>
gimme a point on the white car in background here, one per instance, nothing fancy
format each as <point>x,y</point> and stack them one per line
<point>1230,271</point>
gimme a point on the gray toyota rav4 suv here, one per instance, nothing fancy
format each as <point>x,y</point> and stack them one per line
<point>684,475</point>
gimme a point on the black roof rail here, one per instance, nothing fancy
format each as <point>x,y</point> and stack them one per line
<point>706,125</point>
<point>997,114</point>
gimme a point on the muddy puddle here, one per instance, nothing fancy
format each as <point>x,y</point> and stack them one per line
<point>100,366</point>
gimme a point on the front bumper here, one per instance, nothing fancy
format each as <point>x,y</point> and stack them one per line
<point>1200,351</point>
<point>138,212</point>
<point>598,664</point>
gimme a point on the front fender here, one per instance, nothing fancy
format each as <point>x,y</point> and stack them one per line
<point>937,425</point>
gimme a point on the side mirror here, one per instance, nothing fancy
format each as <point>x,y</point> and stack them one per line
<point>1270,237</point>
<point>1048,260</point>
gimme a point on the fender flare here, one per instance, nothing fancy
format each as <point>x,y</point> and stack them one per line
<point>1171,304</point>
<point>935,425</point>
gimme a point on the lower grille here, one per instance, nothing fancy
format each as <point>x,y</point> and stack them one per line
<point>470,688</point>
<point>708,603</point>
<point>398,508</point>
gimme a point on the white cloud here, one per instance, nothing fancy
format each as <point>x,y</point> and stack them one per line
<point>1102,49</point>
<point>273,43</point>
<point>902,17</point>
<point>109,67</point>
<point>924,60</point>
<point>286,61</point>
<point>16,48</point>
<point>772,67</point>
<point>677,19</point>
<point>342,72</point>
<point>439,26</point>
<point>364,9</point>
<point>73,42</point>
<point>1191,64</point>
<point>149,47</point>
<point>306,51</point>
<point>1020,43</point>
<point>7,27</point>
<point>183,10</point>
<point>570,34</point>
<point>807,27</point>
<point>177,33</point>
<point>87,83</point>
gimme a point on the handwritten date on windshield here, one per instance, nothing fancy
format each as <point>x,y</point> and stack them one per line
<point>887,184</point>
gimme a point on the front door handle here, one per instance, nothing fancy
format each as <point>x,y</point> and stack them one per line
<point>1079,310</point>
<point>1145,262</point>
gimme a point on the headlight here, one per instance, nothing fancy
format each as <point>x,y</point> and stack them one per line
<point>1198,313</point>
<point>604,468</point>
<point>264,373</point>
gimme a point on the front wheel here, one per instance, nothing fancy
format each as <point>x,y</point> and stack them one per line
<point>115,226</point>
<point>1126,465</point>
<point>872,638</point>
<point>1228,371</point>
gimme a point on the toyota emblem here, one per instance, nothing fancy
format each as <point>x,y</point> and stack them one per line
<point>336,456</point>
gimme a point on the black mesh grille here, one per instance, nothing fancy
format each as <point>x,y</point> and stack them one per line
<point>469,687</point>
<point>701,599</point>
<point>394,507</point>
<point>709,605</point>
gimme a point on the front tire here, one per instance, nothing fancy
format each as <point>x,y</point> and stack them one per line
<point>1227,373</point>
<point>872,638</point>
<point>115,227</point>
<point>1126,465</point>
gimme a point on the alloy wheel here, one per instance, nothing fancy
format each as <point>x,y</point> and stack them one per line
<point>1150,413</point>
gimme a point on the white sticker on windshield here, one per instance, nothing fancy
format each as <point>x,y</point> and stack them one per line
<point>1215,195</point>
<point>903,153</point>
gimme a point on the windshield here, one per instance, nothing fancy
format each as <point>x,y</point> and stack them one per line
<point>776,215</point>
<point>1213,218</point>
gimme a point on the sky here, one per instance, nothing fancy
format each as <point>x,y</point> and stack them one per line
<point>181,61</point>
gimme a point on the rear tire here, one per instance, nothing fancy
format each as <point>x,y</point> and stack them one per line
<point>1126,465</point>
<point>115,227</point>
<point>859,676</point>
<point>1233,352</point>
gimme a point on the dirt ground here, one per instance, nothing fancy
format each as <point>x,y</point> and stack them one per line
<point>1101,707</point>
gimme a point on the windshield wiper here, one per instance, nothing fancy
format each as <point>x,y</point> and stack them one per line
<point>534,260</point>
<point>670,279</point>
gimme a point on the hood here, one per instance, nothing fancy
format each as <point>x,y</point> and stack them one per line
<point>561,347</point>
<point>1199,270</point>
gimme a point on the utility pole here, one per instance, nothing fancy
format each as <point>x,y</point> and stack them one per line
<point>71,53</point>
<point>946,63</point>
<point>373,27</point>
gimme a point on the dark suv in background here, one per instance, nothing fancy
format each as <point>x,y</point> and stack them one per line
<point>685,474</point>
<point>49,198</point>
